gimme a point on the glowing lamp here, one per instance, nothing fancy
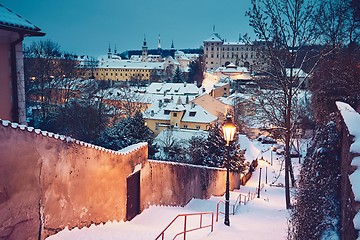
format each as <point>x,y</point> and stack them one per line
<point>229,130</point>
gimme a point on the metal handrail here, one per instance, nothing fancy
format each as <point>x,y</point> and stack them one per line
<point>247,198</point>
<point>234,208</point>
<point>162,234</point>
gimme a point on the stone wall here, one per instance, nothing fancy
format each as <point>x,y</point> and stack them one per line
<point>48,182</point>
<point>175,184</point>
<point>349,207</point>
<point>347,196</point>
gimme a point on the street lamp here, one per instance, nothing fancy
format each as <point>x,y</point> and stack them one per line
<point>261,162</point>
<point>229,130</point>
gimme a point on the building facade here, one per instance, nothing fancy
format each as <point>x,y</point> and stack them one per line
<point>13,30</point>
<point>220,53</point>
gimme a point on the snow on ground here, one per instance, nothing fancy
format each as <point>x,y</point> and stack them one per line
<point>261,218</point>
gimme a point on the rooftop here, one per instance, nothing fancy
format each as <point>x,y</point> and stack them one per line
<point>14,22</point>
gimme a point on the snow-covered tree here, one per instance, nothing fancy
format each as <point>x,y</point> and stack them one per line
<point>178,76</point>
<point>215,153</point>
<point>128,131</point>
<point>316,212</point>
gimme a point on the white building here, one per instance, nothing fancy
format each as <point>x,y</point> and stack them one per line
<point>219,53</point>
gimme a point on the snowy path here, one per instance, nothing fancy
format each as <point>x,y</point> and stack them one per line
<point>262,218</point>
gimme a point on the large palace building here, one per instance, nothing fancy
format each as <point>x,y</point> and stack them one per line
<point>220,53</point>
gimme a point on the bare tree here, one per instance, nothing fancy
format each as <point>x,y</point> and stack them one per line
<point>288,28</point>
<point>47,74</point>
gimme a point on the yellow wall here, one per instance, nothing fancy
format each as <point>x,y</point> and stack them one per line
<point>151,123</point>
<point>192,125</point>
<point>175,118</point>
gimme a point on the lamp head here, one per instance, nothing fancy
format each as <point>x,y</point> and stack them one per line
<point>229,130</point>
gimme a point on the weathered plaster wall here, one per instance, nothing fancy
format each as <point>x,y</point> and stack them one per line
<point>176,184</point>
<point>48,183</point>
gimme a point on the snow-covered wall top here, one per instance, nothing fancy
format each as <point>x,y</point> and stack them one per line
<point>124,151</point>
<point>352,122</point>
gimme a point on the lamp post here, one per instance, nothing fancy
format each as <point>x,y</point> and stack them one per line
<point>265,162</point>
<point>260,162</point>
<point>229,130</point>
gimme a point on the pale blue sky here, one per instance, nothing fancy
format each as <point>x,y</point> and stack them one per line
<point>87,26</point>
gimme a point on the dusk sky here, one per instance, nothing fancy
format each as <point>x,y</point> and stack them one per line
<point>87,27</point>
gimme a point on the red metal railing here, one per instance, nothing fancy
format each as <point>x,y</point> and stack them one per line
<point>246,198</point>
<point>162,234</point>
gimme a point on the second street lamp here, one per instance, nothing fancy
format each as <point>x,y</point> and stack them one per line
<point>261,163</point>
<point>229,130</point>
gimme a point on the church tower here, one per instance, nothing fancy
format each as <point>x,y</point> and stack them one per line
<point>172,50</point>
<point>144,51</point>
<point>109,52</point>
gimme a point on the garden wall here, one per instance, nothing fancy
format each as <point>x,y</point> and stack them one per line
<point>175,184</point>
<point>48,182</point>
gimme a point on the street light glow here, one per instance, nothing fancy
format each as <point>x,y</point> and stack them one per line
<point>229,130</point>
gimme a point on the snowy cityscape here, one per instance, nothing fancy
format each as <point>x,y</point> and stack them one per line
<point>184,134</point>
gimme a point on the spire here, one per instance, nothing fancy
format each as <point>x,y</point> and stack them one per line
<point>159,45</point>
<point>144,40</point>
<point>144,53</point>
<point>214,29</point>
<point>109,52</point>
<point>115,49</point>
<point>172,49</point>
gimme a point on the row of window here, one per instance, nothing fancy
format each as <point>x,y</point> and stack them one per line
<point>157,126</point>
<point>232,49</point>
<point>233,56</point>
<point>125,70</point>
<point>125,74</point>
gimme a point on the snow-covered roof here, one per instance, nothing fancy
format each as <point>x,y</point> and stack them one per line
<point>297,72</point>
<point>12,21</point>
<point>215,37</point>
<point>173,89</point>
<point>231,68</point>
<point>211,104</point>
<point>234,43</point>
<point>192,112</point>
<point>196,113</point>
<point>180,135</point>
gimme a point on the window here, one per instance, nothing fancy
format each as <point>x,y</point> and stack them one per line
<point>197,127</point>
<point>166,112</point>
<point>192,114</point>
<point>157,126</point>
<point>175,114</point>
<point>185,126</point>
